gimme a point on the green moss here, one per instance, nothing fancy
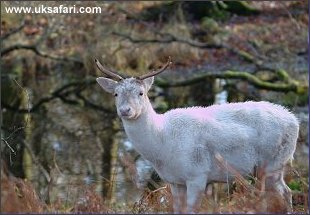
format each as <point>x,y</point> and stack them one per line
<point>292,99</point>
<point>282,74</point>
<point>295,185</point>
<point>303,90</point>
<point>27,165</point>
<point>210,24</point>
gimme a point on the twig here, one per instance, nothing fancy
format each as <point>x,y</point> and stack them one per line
<point>55,163</point>
<point>13,132</point>
<point>155,191</point>
<point>300,178</point>
<point>8,145</point>
<point>290,15</point>
<point>28,100</point>
<point>226,166</point>
<point>27,146</point>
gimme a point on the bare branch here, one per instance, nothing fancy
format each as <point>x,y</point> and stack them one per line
<point>73,88</point>
<point>292,86</point>
<point>169,38</point>
<point>77,87</point>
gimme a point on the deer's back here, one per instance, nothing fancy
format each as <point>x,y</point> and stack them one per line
<point>252,115</point>
<point>251,127</point>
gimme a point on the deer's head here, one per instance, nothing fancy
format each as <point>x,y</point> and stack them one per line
<point>130,93</point>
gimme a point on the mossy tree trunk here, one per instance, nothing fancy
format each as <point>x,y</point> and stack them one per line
<point>108,157</point>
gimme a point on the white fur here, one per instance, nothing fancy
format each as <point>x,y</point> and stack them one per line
<point>181,144</point>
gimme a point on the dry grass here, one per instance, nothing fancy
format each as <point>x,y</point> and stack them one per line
<point>245,198</point>
<point>90,202</point>
<point>157,201</point>
<point>18,195</point>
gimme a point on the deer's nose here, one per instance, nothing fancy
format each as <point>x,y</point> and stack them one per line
<point>125,111</point>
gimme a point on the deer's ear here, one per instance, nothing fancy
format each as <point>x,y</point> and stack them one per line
<point>148,82</point>
<point>107,84</point>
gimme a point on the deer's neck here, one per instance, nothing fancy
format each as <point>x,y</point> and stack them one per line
<point>145,131</point>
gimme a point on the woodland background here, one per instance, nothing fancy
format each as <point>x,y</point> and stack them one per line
<point>63,148</point>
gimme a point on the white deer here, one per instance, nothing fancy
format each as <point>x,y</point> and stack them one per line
<point>182,143</point>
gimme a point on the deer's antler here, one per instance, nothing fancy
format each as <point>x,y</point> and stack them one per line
<point>108,71</point>
<point>156,72</point>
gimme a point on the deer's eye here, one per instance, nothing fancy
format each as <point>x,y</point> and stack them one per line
<point>115,94</point>
<point>141,93</point>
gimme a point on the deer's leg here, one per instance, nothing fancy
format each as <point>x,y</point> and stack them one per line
<point>195,190</point>
<point>285,192</point>
<point>288,196</point>
<point>276,183</point>
<point>179,196</point>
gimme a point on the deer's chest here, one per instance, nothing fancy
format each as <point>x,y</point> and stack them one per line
<point>169,168</point>
<point>169,172</point>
